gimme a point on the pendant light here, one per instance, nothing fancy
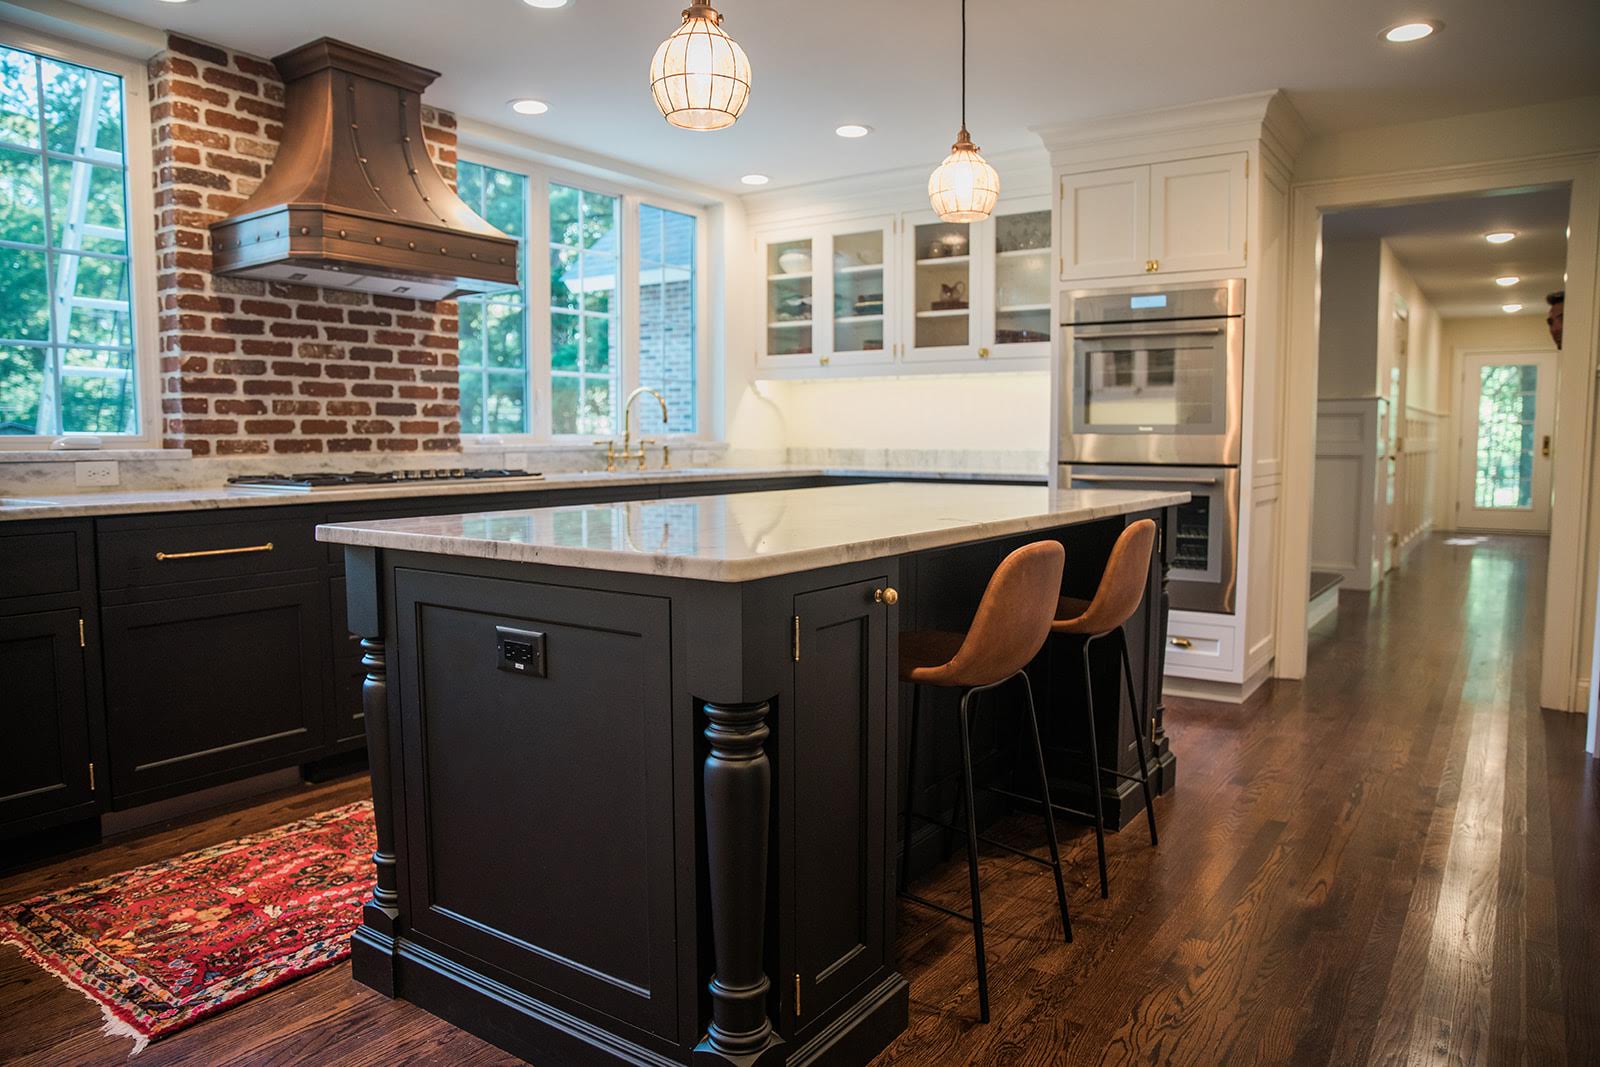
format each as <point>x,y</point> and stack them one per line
<point>964,187</point>
<point>700,77</point>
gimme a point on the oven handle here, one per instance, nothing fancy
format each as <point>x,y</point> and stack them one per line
<point>1211,331</point>
<point>1143,479</point>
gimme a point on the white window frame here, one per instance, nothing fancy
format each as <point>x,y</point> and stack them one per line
<point>141,220</point>
<point>537,260</point>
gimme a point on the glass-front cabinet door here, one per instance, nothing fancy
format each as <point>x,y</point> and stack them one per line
<point>860,268</point>
<point>788,310</point>
<point>939,288</point>
<point>1018,283</point>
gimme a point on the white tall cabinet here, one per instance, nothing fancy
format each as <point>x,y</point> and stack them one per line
<point>1196,193</point>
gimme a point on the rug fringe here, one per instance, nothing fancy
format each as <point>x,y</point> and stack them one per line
<point>110,1024</point>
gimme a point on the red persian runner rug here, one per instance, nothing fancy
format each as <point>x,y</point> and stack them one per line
<point>163,946</point>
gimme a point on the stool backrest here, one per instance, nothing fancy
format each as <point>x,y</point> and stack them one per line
<point>1014,616</point>
<point>1122,585</point>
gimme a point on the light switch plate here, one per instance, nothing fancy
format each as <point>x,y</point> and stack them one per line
<point>101,475</point>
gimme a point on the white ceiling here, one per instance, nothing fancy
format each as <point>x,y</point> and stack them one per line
<point>892,65</point>
<point>1441,243</point>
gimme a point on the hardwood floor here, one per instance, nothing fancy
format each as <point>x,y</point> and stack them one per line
<point>1397,861</point>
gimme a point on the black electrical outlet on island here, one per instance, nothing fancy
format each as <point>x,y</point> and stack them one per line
<point>521,651</point>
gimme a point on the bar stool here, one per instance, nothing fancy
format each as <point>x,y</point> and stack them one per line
<point>1081,622</point>
<point>1011,624</point>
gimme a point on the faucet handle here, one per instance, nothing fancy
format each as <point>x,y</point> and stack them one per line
<point>666,456</point>
<point>611,453</point>
<point>643,441</point>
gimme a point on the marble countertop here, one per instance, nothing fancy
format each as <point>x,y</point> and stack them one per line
<point>748,536</point>
<point>16,504</point>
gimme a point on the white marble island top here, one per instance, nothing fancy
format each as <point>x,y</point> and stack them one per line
<point>750,535</point>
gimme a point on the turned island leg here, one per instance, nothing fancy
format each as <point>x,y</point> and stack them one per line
<point>372,948</point>
<point>738,799</point>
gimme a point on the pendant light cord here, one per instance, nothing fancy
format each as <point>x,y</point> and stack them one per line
<point>963,64</point>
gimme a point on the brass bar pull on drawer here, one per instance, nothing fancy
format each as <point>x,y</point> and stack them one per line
<point>1181,642</point>
<point>214,552</point>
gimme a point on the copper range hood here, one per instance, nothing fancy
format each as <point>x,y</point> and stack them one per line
<point>353,200</point>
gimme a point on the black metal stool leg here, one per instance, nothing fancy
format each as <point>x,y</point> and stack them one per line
<point>972,861</point>
<point>1049,812</point>
<point>1094,759</point>
<point>911,785</point>
<point>1138,734</point>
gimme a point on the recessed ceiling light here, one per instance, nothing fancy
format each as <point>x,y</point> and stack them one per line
<point>755,179</point>
<point>174,1</point>
<point>1499,237</point>
<point>528,106</point>
<point>1406,32</point>
<point>1506,280</point>
<point>1511,309</point>
<point>546,3</point>
<point>851,129</point>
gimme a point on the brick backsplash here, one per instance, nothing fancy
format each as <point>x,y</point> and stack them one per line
<point>252,367</point>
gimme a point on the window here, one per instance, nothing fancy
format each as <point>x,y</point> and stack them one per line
<point>494,329</point>
<point>583,311</point>
<point>67,330</point>
<point>618,308</point>
<point>667,321</point>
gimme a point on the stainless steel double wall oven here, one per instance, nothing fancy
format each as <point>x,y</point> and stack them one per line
<point>1151,397</point>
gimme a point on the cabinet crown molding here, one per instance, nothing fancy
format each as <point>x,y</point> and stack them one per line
<point>1264,116</point>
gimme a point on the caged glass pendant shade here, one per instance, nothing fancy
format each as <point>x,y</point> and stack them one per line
<point>700,77</point>
<point>964,187</point>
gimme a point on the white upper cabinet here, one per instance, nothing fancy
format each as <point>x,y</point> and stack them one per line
<point>823,295</point>
<point>939,288</point>
<point>1015,272</point>
<point>1105,223</point>
<point>1197,213</point>
<point>1185,215</point>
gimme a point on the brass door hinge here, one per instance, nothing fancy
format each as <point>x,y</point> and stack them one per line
<point>796,648</point>
<point>91,777</point>
<point>797,996</point>
<point>1246,255</point>
<point>81,643</point>
<point>1247,166</point>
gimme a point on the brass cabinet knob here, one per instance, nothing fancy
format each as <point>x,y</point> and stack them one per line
<point>823,361</point>
<point>983,353</point>
<point>887,595</point>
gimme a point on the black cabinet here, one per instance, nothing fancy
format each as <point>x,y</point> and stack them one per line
<point>838,776</point>
<point>206,688</point>
<point>44,715</point>
<point>346,720</point>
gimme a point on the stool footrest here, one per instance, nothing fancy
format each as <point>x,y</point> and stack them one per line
<point>926,903</point>
<point>1040,860</point>
<point>1039,803</point>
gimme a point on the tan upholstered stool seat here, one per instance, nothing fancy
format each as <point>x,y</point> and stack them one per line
<point>925,653</point>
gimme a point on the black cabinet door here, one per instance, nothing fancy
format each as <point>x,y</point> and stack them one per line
<point>44,718</point>
<point>837,771</point>
<point>347,722</point>
<point>205,689</point>
<point>539,807</point>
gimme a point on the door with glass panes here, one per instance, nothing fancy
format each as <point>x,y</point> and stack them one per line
<point>1507,419</point>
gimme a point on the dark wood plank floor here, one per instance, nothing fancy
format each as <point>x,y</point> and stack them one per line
<point>1397,861</point>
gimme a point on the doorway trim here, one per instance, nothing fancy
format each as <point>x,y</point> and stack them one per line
<point>1570,607</point>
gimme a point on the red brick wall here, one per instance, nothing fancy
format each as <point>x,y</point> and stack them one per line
<point>251,367</point>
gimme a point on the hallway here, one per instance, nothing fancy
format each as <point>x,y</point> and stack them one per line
<point>1389,863</point>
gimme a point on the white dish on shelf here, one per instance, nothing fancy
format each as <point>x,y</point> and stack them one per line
<point>795,261</point>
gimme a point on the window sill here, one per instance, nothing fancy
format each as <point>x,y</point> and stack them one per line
<point>581,446</point>
<point>89,455</point>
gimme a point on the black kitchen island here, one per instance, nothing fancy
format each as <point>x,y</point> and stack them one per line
<point>634,765</point>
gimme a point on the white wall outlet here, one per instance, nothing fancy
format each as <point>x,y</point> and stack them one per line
<point>97,475</point>
<point>516,461</point>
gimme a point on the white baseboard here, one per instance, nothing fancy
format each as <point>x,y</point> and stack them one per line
<point>1220,692</point>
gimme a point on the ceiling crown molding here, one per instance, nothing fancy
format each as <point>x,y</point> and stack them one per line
<point>1249,117</point>
<point>83,25</point>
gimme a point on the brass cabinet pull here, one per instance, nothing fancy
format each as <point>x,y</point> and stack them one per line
<point>1181,642</point>
<point>887,595</point>
<point>214,552</point>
